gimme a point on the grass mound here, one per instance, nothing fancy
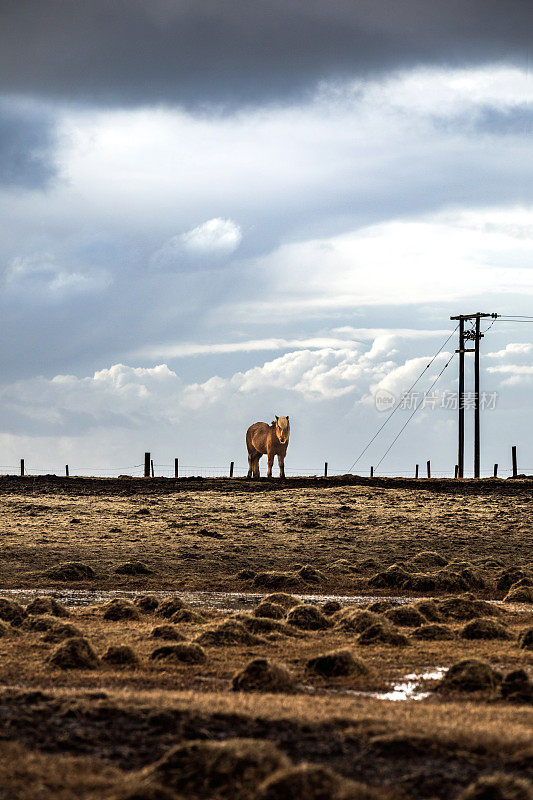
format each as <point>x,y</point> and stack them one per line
<point>282,599</point>
<point>270,610</point>
<point>469,675</point>
<point>392,578</point>
<point>228,770</point>
<point>520,594</point>
<point>517,687</point>
<point>121,655</point>
<point>59,631</point>
<point>186,615</point>
<point>265,625</point>
<point>485,628</point>
<point>4,630</point>
<point>230,632</point>
<point>311,782</point>
<point>331,607</point>
<point>429,609</point>
<point>75,653</point>
<point>380,606</point>
<point>442,581</point>
<point>70,571</point>
<point>187,653</point>
<point>11,611</point>
<point>263,675</point>
<point>119,609</point>
<point>433,632</point>
<point>382,634</point>
<point>310,575</point>
<point>355,620</point>
<point>406,616</point>
<point>525,639</point>
<point>133,568</point>
<point>47,605</point>
<point>428,558</point>
<point>169,632</point>
<point>466,607</point>
<point>169,606</point>
<point>147,603</point>
<point>336,663</point>
<point>498,787</point>
<point>308,618</point>
<point>509,576</point>
<point>148,792</point>
<point>246,574</point>
<point>43,623</point>
<point>277,580</point>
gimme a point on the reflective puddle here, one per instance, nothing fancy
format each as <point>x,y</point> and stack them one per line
<point>216,601</point>
<point>412,686</point>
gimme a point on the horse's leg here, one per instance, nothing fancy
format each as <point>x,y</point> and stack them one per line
<point>281,462</point>
<point>270,464</point>
<point>250,464</point>
<point>256,465</point>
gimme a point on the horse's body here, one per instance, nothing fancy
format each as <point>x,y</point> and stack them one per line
<point>270,440</point>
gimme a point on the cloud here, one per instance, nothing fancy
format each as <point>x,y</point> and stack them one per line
<point>27,145</point>
<point>212,240</point>
<point>153,51</point>
<point>41,277</point>
<point>512,349</point>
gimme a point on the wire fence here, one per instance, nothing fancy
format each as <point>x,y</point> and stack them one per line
<point>238,471</point>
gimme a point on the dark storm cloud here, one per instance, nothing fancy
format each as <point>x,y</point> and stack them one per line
<point>27,143</point>
<point>208,51</point>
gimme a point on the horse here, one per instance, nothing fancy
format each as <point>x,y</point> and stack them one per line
<point>270,440</point>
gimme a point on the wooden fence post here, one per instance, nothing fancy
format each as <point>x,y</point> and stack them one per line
<point>325,469</point>
<point>147,465</point>
<point>416,471</point>
<point>515,464</point>
<point>66,471</point>
<point>495,470</point>
<point>176,467</point>
<point>231,465</point>
<point>21,467</point>
<point>428,465</point>
<point>152,466</point>
<point>371,472</point>
<point>456,475</point>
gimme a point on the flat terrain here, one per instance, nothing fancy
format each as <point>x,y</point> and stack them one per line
<point>439,563</point>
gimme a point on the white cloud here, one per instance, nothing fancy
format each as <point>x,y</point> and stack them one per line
<point>214,236</point>
<point>40,276</point>
<point>512,349</point>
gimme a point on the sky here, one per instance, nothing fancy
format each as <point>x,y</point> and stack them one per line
<point>215,212</point>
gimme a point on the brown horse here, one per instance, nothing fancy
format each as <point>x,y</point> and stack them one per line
<point>271,440</point>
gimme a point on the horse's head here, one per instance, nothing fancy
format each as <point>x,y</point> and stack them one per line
<point>283,429</point>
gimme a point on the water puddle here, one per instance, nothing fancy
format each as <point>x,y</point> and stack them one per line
<point>216,601</point>
<point>411,687</point>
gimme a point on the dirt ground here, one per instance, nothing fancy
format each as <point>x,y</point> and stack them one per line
<point>98,729</point>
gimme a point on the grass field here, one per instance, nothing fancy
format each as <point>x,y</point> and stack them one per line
<point>82,719</point>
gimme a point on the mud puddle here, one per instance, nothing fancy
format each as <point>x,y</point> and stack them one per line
<point>216,601</point>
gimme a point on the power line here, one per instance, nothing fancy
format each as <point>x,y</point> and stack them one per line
<point>404,426</point>
<point>397,406</point>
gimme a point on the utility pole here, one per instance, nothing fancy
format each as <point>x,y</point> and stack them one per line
<point>469,334</point>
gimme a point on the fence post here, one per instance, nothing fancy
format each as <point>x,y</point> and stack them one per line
<point>21,467</point>
<point>428,465</point>
<point>147,465</point>
<point>176,467</point>
<point>456,471</point>
<point>325,469</point>
<point>66,471</point>
<point>371,472</point>
<point>495,470</point>
<point>152,466</point>
<point>231,465</point>
<point>416,471</point>
<point>515,465</point>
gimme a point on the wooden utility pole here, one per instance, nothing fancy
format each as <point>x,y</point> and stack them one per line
<point>147,465</point>
<point>471,334</point>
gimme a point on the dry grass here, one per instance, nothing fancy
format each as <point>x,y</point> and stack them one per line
<point>92,733</point>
